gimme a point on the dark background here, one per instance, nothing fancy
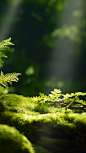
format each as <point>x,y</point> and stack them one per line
<point>50,44</point>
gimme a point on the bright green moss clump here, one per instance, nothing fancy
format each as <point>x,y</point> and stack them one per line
<point>11,141</point>
<point>22,111</point>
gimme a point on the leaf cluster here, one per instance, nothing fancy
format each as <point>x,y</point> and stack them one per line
<point>9,77</point>
<point>3,46</point>
<point>56,98</point>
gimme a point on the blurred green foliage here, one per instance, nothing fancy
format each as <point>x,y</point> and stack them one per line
<point>50,48</point>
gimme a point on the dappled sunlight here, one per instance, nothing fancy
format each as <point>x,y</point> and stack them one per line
<point>7,22</point>
<point>68,38</point>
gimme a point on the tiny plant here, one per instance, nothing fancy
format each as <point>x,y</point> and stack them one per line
<point>9,77</point>
<point>56,98</point>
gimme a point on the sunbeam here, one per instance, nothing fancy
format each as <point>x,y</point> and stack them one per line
<point>68,38</point>
<point>7,22</point>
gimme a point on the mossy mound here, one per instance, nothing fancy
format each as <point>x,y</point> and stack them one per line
<point>44,125</point>
<point>12,141</point>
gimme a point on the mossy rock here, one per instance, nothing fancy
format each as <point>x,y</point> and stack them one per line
<point>12,141</point>
<point>43,125</point>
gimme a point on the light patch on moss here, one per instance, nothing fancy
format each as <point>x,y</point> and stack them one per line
<point>13,99</point>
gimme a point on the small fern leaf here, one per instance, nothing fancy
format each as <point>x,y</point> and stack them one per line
<point>8,78</point>
<point>4,43</point>
<point>3,46</point>
<point>1,61</point>
<point>2,55</point>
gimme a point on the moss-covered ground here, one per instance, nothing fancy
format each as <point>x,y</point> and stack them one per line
<point>26,124</point>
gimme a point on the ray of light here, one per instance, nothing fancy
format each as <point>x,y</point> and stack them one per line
<point>64,65</point>
<point>7,19</point>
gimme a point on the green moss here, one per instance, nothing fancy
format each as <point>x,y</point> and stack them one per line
<point>12,141</point>
<point>26,115</point>
<point>13,99</point>
<point>22,112</point>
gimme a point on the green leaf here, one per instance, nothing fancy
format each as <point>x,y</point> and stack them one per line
<point>80,93</point>
<point>42,94</point>
<point>5,43</point>
<point>2,55</point>
<point>3,46</point>
<point>1,61</point>
<point>2,92</point>
<point>8,78</point>
<point>57,91</point>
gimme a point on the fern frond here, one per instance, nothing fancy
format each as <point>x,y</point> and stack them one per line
<point>8,78</point>
<point>3,46</point>
<point>2,55</point>
<point>2,91</point>
<point>4,43</point>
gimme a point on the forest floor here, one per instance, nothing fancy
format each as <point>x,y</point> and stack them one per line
<point>27,126</point>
